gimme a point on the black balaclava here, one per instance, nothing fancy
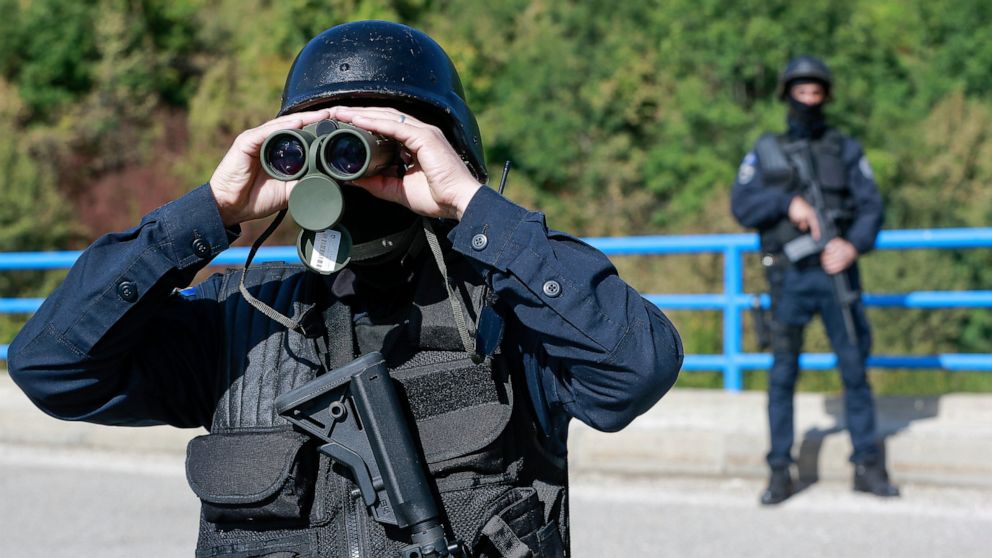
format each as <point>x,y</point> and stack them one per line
<point>369,218</point>
<point>805,121</point>
<point>372,221</point>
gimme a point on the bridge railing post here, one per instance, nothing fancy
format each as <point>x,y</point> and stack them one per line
<point>733,287</point>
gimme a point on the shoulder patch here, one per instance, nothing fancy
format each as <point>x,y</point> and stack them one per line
<point>745,173</point>
<point>865,168</point>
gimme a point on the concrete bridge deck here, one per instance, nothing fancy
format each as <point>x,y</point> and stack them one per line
<point>939,440</point>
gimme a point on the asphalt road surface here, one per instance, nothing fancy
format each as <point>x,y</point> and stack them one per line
<point>56,504</point>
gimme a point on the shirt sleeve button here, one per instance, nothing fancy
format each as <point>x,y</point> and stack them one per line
<point>552,288</point>
<point>127,290</point>
<point>201,248</point>
<point>479,242</point>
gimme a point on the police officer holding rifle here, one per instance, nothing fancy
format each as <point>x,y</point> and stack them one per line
<point>811,195</point>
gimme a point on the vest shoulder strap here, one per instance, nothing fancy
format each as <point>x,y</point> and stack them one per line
<point>833,138</point>
<point>774,162</point>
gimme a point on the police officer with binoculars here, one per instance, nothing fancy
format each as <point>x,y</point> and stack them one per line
<point>480,332</point>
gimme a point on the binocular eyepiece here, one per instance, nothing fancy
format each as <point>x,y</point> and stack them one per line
<point>320,155</point>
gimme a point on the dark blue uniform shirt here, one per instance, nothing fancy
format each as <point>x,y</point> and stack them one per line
<point>115,344</point>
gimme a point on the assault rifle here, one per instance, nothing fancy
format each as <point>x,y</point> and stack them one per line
<point>806,245</point>
<point>354,409</point>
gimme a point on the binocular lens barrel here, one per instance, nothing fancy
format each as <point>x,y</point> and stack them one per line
<point>287,155</point>
<point>350,153</point>
<point>346,154</point>
<point>284,155</point>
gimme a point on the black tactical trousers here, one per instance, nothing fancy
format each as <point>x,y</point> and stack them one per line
<point>798,295</point>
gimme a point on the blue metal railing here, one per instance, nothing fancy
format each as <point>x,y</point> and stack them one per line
<point>733,301</point>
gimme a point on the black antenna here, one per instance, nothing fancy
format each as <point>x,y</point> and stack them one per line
<point>502,181</point>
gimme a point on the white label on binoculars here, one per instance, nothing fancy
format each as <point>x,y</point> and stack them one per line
<point>325,250</point>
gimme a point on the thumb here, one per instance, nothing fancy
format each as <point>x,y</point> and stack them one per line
<point>814,226</point>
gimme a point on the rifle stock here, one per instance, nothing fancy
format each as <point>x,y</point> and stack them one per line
<point>356,412</point>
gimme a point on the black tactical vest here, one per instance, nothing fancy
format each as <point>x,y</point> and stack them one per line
<point>775,155</point>
<point>267,491</point>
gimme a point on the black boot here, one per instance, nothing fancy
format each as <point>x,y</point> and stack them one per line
<point>874,479</point>
<point>779,487</point>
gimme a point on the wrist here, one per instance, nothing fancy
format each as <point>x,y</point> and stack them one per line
<point>463,198</point>
<point>229,215</point>
<point>785,204</point>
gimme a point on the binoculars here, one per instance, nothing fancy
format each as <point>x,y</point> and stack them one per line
<point>320,156</point>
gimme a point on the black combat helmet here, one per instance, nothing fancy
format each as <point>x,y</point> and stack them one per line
<point>804,68</point>
<point>390,64</point>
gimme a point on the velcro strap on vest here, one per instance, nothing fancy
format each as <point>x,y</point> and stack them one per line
<point>431,395</point>
<point>518,530</point>
<point>506,542</point>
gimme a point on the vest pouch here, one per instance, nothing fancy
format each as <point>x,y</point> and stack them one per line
<point>252,479</point>
<point>518,530</point>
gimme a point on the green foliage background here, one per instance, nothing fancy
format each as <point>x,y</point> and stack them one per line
<point>621,118</point>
